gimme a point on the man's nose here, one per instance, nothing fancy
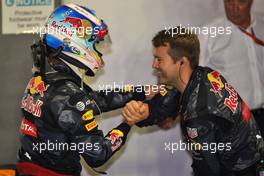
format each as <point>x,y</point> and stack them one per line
<point>234,6</point>
<point>155,64</point>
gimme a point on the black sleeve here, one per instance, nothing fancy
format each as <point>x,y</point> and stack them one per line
<point>102,148</point>
<point>103,101</point>
<point>108,100</point>
<point>82,129</point>
<point>75,114</point>
<point>201,140</point>
<point>163,105</point>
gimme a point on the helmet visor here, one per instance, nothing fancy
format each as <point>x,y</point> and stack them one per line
<point>103,46</point>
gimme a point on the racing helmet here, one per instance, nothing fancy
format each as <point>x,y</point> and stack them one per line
<point>78,34</point>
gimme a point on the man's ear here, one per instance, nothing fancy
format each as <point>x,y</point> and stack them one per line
<point>183,60</point>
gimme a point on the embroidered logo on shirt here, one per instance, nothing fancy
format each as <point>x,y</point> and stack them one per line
<point>115,138</point>
<point>36,85</point>
<point>34,108</point>
<point>114,134</point>
<point>91,125</point>
<point>216,82</point>
<point>28,128</point>
<point>163,92</point>
<point>80,106</point>
<point>192,132</point>
<point>88,115</point>
<point>231,102</point>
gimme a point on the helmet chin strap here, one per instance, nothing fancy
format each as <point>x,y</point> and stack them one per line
<point>79,72</point>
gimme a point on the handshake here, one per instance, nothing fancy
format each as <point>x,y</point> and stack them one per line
<point>135,111</point>
<point>161,110</point>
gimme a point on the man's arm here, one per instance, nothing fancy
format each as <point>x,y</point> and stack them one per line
<point>154,111</point>
<point>75,113</point>
<point>108,100</point>
<point>101,148</point>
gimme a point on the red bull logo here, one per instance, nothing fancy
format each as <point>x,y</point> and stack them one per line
<point>115,134</point>
<point>231,102</point>
<point>36,85</point>
<point>75,22</point>
<point>216,82</point>
<point>102,33</point>
<point>34,108</point>
<point>82,28</point>
<point>115,138</point>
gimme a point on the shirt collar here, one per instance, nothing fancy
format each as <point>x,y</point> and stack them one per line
<point>253,22</point>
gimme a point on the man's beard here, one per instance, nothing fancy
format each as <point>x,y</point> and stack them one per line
<point>160,77</point>
<point>161,80</point>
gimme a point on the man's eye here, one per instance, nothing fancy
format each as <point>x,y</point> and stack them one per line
<point>243,1</point>
<point>240,1</point>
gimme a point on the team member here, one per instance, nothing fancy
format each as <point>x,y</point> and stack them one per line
<point>212,113</point>
<point>59,107</point>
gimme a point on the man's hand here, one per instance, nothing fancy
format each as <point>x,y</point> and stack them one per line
<point>135,111</point>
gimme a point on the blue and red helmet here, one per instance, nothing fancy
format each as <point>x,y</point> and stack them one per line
<point>77,31</point>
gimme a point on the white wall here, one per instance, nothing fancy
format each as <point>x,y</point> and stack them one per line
<point>132,25</point>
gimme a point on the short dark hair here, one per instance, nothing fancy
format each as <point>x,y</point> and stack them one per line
<point>181,42</point>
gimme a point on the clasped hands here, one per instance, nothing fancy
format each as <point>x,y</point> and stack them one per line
<point>135,111</point>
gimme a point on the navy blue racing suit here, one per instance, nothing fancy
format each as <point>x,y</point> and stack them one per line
<point>217,125</point>
<point>59,123</point>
